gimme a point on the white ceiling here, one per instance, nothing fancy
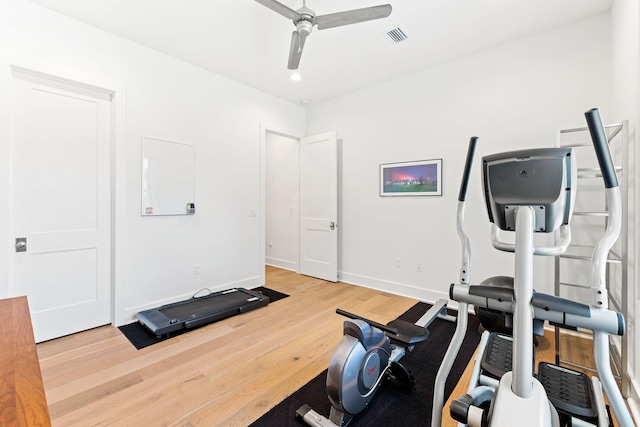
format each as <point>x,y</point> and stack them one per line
<point>247,42</point>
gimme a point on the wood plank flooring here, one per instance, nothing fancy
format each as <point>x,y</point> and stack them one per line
<point>226,374</point>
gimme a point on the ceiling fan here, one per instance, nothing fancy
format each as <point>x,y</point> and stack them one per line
<point>305,19</point>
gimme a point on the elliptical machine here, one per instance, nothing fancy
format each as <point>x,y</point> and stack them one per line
<point>368,353</point>
<point>527,192</point>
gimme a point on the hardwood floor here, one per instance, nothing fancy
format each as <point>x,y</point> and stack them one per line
<point>226,374</point>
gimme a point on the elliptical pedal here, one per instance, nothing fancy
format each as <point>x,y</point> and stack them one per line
<point>497,357</point>
<point>568,390</point>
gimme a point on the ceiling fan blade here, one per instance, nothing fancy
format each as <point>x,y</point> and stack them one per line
<point>352,16</point>
<point>295,51</point>
<point>280,8</point>
<point>303,37</point>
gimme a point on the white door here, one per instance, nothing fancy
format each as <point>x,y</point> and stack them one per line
<point>319,206</point>
<point>60,203</point>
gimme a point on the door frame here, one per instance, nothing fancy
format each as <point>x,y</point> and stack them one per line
<point>117,91</point>
<point>289,133</point>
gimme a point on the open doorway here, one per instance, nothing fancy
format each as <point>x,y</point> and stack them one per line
<point>282,200</point>
<point>299,203</point>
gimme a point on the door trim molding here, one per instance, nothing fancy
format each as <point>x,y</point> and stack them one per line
<point>117,92</point>
<point>66,81</point>
<point>278,130</point>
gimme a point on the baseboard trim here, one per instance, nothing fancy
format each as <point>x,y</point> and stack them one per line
<point>633,401</point>
<point>425,295</point>
<point>281,263</point>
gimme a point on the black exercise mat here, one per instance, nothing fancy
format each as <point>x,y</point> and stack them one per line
<point>393,404</point>
<point>273,295</point>
<point>142,337</point>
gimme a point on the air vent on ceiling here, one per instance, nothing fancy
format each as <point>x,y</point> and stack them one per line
<point>396,35</point>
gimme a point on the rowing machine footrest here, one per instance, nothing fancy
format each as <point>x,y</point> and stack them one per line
<point>568,390</point>
<point>401,375</point>
<point>497,356</point>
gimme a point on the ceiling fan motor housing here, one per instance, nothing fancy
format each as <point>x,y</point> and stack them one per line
<point>304,27</point>
<point>305,23</point>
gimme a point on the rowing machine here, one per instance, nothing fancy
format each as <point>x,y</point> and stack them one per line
<point>368,353</point>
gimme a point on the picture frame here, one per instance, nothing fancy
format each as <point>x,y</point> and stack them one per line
<point>416,178</point>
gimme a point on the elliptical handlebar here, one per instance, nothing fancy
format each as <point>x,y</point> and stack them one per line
<point>463,315</point>
<point>601,145</point>
<point>598,265</point>
<point>614,203</point>
<point>471,151</point>
<point>558,249</point>
<point>462,195</point>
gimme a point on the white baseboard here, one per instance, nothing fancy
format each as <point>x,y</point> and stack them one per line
<point>425,295</point>
<point>633,401</point>
<point>281,263</point>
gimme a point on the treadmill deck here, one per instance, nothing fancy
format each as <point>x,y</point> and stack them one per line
<point>196,312</point>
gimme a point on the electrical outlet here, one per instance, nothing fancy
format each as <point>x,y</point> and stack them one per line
<point>196,269</point>
<point>419,267</point>
<point>397,262</point>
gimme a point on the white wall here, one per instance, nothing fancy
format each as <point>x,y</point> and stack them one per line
<point>168,99</point>
<point>513,96</point>
<point>282,182</point>
<point>625,30</point>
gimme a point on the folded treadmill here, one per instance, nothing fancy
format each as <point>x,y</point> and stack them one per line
<point>200,311</point>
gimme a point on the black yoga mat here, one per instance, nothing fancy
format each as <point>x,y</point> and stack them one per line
<point>141,337</point>
<point>393,404</point>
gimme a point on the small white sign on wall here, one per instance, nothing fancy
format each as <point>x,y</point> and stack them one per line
<point>168,177</point>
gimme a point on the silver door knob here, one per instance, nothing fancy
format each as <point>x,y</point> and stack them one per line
<point>21,244</point>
